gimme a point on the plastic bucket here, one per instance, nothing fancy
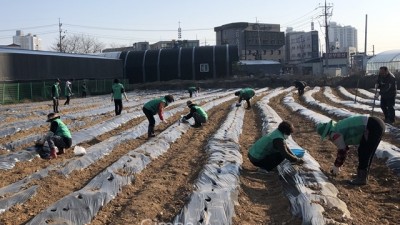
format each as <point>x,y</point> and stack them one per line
<point>298,152</point>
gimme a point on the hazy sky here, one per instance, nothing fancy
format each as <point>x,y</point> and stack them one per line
<point>123,22</point>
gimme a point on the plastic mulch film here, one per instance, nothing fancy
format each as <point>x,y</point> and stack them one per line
<point>306,187</point>
<point>94,153</point>
<point>394,131</point>
<point>385,150</point>
<point>216,189</point>
<point>81,206</point>
<point>360,99</point>
<point>350,103</point>
<point>372,94</point>
<point>8,161</point>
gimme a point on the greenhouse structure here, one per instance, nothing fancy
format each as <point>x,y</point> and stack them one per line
<point>390,59</point>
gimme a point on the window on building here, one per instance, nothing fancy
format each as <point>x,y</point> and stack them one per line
<point>272,52</point>
<point>204,68</point>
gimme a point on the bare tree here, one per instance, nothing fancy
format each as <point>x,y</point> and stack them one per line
<point>78,44</point>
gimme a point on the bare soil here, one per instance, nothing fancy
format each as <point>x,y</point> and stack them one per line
<point>161,190</point>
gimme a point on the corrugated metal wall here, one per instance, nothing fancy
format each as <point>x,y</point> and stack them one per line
<point>180,63</point>
<point>34,67</point>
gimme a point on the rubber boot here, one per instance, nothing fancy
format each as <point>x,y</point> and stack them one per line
<point>53,153</point>
<point>150,131</point>
<point>361,179</point>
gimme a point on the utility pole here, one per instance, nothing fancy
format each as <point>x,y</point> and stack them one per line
<point>326,13</point>
<point>61,36</point>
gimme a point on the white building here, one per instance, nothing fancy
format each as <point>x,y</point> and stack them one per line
<point>301,46</point>
<point>29,41</point>
<point>342,37</point>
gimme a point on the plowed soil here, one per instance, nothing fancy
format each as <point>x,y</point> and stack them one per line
<point>162,188</point>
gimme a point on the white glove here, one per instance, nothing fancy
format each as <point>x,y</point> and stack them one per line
<point>335,170</point>
<point>377,95</point>
<point>165,121</point>
<point>376,86</point>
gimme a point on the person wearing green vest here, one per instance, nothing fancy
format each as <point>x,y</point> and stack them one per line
<point>364,131</point>
<point>245,94</point>
<point>55,94</point>
<point>270,150</point>
<point>153,107</point>
<point>116,96</point>
<point>192,90</point>
<point>199,115</point>
<point>58,138</point>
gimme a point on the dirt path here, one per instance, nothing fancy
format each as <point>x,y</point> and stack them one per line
<point>261,198</point>
<point>160,191</point>
<point>376,203</point>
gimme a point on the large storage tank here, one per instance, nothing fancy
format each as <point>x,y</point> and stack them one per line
<point>197,63</point>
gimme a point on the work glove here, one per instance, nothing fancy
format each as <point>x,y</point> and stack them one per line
<point>377,95</point>
<point>238,104</point>
<point>184,120</point>
<point>376,86</point>
<point>335,170</point>
<point>165,121</point>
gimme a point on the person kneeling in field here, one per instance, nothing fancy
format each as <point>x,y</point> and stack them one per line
<point>58,138</point>
<point>364,131</point>
<point>270,150</point>
<point>198,114</point>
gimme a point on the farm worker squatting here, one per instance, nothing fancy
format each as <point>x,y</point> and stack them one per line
<point>270,150</point>
<point>58,138</point>
<point>153,107</point>
<point>245,94</point>
<point>199,115</point>
<point>364,131</point>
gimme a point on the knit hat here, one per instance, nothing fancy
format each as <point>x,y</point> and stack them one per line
<point>324,128</point>
<point>52,116</point>
<point>237,93</point>
<point>169,98</point>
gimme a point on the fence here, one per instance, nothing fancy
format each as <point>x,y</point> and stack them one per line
<point>39,91</point>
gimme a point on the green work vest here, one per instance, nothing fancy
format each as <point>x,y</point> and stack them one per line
<point>247,93</point>
<point>264,146</point>
<point>192,89</point>
<point>352,129</point>
<point>201,111</point>
<point>117,90</point>
<point>62,129</point>
<point>152,105</point>
<point>56,90</point>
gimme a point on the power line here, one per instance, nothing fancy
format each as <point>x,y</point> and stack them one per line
<point>136,30</point>
<point>29,28</point>
<point>290,22</point>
